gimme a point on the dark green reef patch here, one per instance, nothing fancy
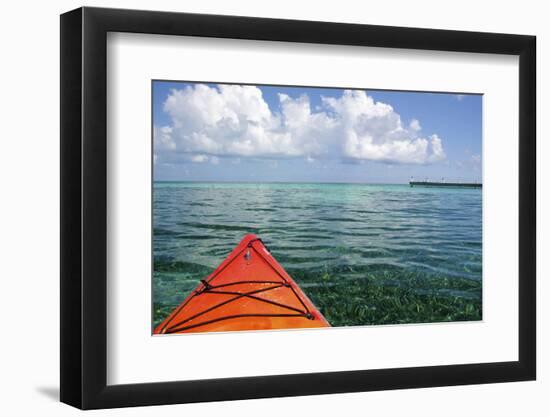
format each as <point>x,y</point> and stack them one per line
<point>370,302</point>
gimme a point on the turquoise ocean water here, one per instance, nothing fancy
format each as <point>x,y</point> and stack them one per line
<point>364,254</point>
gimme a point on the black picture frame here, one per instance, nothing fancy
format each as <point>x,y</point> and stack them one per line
<point>84,207</point>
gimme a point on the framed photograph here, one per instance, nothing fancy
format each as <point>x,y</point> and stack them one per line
<point>256,208</point>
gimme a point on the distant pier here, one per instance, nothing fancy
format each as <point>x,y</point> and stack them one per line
<point>445,184</point>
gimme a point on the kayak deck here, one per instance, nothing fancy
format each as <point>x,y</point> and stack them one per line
<point>248,291</point>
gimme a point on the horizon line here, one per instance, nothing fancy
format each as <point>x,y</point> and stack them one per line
<point>286,182</point>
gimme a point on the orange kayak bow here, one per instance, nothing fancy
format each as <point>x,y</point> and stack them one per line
<point>248,291</point>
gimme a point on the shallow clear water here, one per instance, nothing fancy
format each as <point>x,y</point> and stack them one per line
<point>364,254</point>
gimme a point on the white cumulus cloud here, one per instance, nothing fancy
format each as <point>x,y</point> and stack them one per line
<point>207,123</point>
<point>372,130</point>
<point>199,158</point>
<point>415,125</point>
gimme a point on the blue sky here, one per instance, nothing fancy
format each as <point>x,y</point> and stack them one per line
<point>217,132</point>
